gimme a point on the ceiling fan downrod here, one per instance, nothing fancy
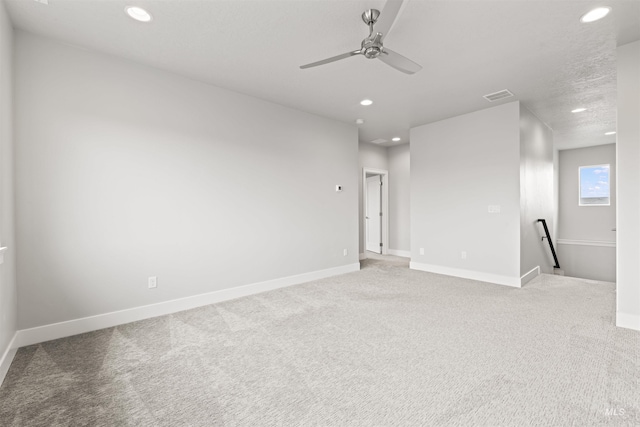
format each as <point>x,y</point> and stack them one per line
<point>372,45</point>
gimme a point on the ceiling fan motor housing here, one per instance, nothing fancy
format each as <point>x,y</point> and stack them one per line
<point>372,46</point>
<point>372,52</point>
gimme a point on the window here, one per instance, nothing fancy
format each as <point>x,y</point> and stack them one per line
<point>594,185</point>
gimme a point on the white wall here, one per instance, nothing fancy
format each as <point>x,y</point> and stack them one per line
<point>586,242</point>
<point>628,209</point>
<point>373,157</point>
<point>459,167</point>
<point>8,292</point>
<point>536,192</point>
<point>125,172</point>
<point>399,159</point>
<point>556,192</point>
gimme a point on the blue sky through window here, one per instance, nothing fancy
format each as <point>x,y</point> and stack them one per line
<point>594,182</point>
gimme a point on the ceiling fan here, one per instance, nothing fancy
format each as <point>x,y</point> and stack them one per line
<point>371,47</point>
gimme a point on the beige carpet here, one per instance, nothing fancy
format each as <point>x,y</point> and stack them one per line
<point>380,347</point>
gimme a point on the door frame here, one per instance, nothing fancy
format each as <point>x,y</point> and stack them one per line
<point>385,207</point>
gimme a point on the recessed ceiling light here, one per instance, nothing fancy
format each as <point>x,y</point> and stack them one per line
<point>395,139</point>
<point>366,102</point>
<point>610,133</point>
<point>138,13</point>
<point>578,110</point>
<point>595,14</point>
<point>360,121</point>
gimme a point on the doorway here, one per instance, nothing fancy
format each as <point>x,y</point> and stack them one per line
<point>376,210</point>
<point>373,214</point>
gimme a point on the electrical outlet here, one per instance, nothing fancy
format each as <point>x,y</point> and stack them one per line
<point>152,282</point>
<point>463,255</point>
<point>344,252</point>
<point>421,251</point>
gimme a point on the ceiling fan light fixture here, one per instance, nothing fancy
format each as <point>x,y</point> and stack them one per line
<point>138,13</point>
<point>366,102</point>
<point>595,14</point>
<point>395,139</point>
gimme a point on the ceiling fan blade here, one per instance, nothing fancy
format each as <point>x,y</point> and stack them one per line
<point>332,59</point>
<point>387,17</point>
<point>399,62</point>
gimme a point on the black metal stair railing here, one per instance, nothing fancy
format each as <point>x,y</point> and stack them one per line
<point>548,237</point>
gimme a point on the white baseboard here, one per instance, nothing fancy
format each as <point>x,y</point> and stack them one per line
<point>467,274</point>
<point>398,252</point>
<point>530,275</point>
<point>629,321</point>
<point>7,358</point>
<point>87,324</point>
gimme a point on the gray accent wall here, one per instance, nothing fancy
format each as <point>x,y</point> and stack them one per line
<point>586,242</point>
<point>399,197</point>
<point>124,172</point>
<point>8,291</point>
<point>459,167</point>
<point>536,192</point>
<point>628,209</point>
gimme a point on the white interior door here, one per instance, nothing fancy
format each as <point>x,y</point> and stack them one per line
<point>373,215</point>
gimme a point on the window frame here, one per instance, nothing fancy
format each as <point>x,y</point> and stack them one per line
<point>608,198</point>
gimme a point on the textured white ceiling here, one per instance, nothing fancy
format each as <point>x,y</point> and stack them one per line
<point>537,49</point>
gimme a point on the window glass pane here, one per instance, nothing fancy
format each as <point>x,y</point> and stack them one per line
<point>594,185</point>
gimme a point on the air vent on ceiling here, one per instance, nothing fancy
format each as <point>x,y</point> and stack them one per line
<point>498,95</point>
<point>379,141</point>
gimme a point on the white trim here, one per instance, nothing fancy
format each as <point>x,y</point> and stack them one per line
<point>385,205</point>
<point>92,323</point>
<point>467,274</point>
<point>363,256</point>
<point>2,250</point>
<point>398,252</point>
<point>530,275</point>
<point>627,320</point>
<point>587,243</point>
<point>7,357</point>
<point>604,165</point>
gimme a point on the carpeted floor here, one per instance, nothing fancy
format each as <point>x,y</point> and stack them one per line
<point>385,346</point>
